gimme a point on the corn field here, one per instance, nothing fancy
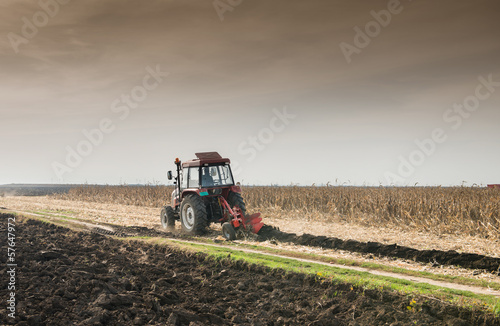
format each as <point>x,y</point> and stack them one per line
<point>458,210</point>
<point>150,195</point>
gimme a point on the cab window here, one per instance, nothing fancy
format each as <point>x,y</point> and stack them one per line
<point>194,177</point>
<point>184,183</point>
<point>216,175</point>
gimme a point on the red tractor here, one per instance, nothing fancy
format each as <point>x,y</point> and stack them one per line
<point>205,192</point>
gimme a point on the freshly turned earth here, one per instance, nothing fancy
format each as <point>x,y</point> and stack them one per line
<point>465,260</point>
<point>268,232</point>
<point>65,278</point>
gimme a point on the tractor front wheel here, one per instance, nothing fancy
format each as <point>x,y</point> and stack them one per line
<point>228,231</point>
<point>168,218</point>
<point>193,215</point>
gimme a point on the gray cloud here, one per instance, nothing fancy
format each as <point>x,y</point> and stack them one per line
<point>264,54</point>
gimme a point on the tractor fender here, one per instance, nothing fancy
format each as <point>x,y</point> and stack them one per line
<point>236,189</point>
<point>190,191</point>
<point>184,193</point>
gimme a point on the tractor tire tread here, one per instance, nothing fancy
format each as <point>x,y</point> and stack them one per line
<point>235,199</point>
<point>201,220</point>
<point>169,212</point>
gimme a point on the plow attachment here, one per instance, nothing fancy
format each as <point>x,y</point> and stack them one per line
<point>254,222</point>
<point>235,219</point>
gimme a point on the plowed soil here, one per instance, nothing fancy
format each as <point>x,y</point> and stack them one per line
<point>437,257</point>
<point>67,277</point>
<point>451,257</point>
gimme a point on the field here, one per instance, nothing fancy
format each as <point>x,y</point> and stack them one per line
<point>472,211</point>
<point>97,255</point>
<point>87,279</point>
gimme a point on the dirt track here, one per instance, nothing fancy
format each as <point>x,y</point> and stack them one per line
<point>89,279</point>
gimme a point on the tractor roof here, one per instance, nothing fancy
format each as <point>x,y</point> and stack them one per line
<point>206,158</point>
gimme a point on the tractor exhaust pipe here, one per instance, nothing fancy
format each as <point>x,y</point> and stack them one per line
<point>178,178</point>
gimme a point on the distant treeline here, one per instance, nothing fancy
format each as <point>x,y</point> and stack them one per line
<point>34,189</point>
<point>55,189</point>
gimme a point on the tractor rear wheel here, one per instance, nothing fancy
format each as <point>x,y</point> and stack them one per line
<point>228,231</point>
<point>235,199</point>
<point>168,218</point>
<point>193,215</point>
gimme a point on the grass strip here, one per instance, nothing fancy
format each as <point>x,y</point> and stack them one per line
<point>368,265</point>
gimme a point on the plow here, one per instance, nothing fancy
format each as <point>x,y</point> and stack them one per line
<point>205,193</point>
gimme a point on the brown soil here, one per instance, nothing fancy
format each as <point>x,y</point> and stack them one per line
<point>268,232</point>
<point>66,277</point>
<point>451,257</point>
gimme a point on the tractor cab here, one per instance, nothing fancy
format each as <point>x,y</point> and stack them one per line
<point>207,176</point>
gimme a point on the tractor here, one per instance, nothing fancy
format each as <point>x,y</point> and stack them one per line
<point>205,193</point>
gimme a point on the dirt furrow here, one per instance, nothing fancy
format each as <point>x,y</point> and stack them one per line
<point>439,257</point>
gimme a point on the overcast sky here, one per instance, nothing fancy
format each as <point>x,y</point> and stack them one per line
<point>290,90</point>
